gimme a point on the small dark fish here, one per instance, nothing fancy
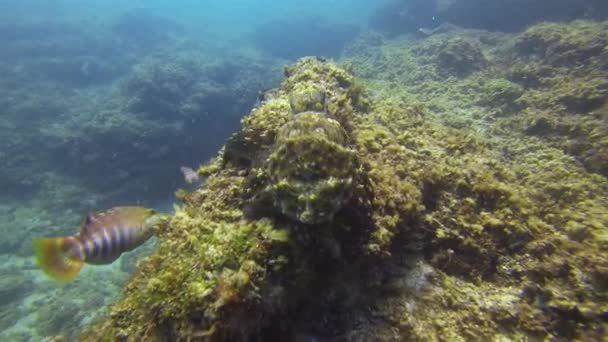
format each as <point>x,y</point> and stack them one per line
<point>103,237</point>
<point>190,176</point>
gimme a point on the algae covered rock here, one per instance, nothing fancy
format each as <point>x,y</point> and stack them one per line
<point>460,56</point>
<point>563,45</point>
<point>284,206</point>
<point>501,94</point>
<point>510,222</point>
<point>192,85</point>
<point>564,68</point>
<point>513,15</point>
<point>455,55</point>
<point>397,16</point>
<point>308,221</point>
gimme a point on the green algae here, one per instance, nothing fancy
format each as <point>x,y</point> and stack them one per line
<point>564,70</point>
<point>454,55</point>
<point>501,94</point>
<point>213,258</point>
<point>554,175</point>
<point>511,228</point>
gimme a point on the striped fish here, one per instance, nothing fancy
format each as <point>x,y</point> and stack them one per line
<point>103,237</point>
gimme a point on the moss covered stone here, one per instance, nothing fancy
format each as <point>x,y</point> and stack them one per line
<point>455,55</point>
<point>564,68</point>
<point>501,93</point>
<point>236,255</point>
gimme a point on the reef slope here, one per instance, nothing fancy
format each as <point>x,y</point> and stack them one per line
<point>336,215</point>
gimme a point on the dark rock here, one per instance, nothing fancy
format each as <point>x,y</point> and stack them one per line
<point>513,15</point>
<point>400,16</point>
<point>454,55</point>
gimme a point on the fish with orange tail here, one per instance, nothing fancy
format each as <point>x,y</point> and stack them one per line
<point>103,237</point>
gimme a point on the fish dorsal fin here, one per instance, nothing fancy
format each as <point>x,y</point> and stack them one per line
<point>88,219</point>
<point>87,224</point>
<point>92,222</point>
<point>95,221</point>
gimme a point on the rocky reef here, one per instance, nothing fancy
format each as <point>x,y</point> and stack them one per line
<point>288,183</point>
<point>456,55</point>
<point>408,16</point>
<point>565,71</point>
<point>337,212</point>
<point>454,190</point>
<point>493,106</point>
<point>511,15</point>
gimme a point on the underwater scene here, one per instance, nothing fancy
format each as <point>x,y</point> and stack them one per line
<point>304,170</point>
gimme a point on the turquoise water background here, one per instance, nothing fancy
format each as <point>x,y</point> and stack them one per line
<point>231,16</point>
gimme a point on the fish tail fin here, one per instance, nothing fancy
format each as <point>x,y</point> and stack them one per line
<point>56,257</point>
